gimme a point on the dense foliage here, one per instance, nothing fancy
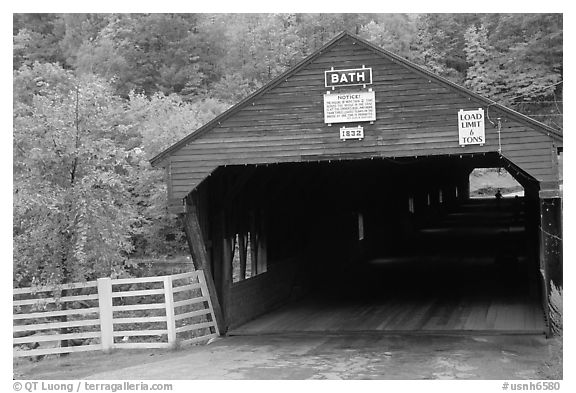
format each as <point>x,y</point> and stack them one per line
<point>97,95</point>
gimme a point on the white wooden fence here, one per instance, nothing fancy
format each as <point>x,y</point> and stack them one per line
<point>148,312</point>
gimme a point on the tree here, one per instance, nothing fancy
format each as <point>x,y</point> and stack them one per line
<point>160,121</point>
<point>234,87</point>
<point>483,74</point>
<point>259,46</point>
<point>146,53</point>
<point>36,37</point>
<point>163,120</point>
<point>439,44</point>
<point>531,50</point>
<point>393,32</point>
<point>315,30</point>
<point>78,30</point>
<point>517,61</point>
<point>73,219</point>
<point>425,50</point>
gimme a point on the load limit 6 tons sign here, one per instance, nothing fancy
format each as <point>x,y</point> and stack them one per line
<point>471,127</point>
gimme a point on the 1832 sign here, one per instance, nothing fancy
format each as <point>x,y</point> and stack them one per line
<point>351,133</point>
<point>471,127</point>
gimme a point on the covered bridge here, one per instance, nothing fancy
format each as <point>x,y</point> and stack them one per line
<point>336,198</point>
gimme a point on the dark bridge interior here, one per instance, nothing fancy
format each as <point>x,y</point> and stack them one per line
<point>396,245</point>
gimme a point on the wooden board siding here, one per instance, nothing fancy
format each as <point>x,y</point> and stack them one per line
<point>416,116</point>
<point>260,294</point>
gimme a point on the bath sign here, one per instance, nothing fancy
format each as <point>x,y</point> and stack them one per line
<point>471,127</point>
<point>349,77</point>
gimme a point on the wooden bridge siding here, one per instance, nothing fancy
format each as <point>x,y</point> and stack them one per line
<point>261,294</point>
<point>415,117</point>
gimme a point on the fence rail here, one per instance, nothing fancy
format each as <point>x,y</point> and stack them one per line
<point>127,313</point>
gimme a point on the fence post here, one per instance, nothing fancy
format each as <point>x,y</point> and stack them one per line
<point>106,316</point>
<point>170,321</point>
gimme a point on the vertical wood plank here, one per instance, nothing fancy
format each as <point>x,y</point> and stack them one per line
<point>106,315</point>
<point>217,256</point>
<point>169,302</point>
<point>199,255</point>
<point>227,257</point>
<point>242,248</point>
<point>168,169</point>
<point>262,258</point>
<point>253,244</point>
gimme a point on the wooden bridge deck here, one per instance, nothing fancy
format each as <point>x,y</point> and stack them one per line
<point>433,294</point>
<point>435,315</point>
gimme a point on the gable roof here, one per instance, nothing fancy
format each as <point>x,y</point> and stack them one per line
<point>541,127</point>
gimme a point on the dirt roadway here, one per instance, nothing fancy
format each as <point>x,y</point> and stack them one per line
<point>348,357</point>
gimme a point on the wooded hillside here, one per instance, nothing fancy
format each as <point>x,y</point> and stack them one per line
<point>97,95</point>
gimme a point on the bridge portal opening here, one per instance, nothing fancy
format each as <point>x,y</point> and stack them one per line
<point>375,245</point>
<point>487,182</point>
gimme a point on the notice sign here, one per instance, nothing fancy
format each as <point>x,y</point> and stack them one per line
<point>349,107</point>
<point>471,127</point>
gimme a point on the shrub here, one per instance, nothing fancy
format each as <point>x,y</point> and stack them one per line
<point>553,366</point>
<point>555,305</point>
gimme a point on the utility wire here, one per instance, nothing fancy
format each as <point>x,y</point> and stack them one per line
<point>539,102</point>
<point>513,98</point>
<point>556,103</point>
<point>525,94</point>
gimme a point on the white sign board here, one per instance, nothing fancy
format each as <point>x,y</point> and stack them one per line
<point>349,77</point>
<point>471,127</point>
<point>349,107</point>
<point>351,133</point>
